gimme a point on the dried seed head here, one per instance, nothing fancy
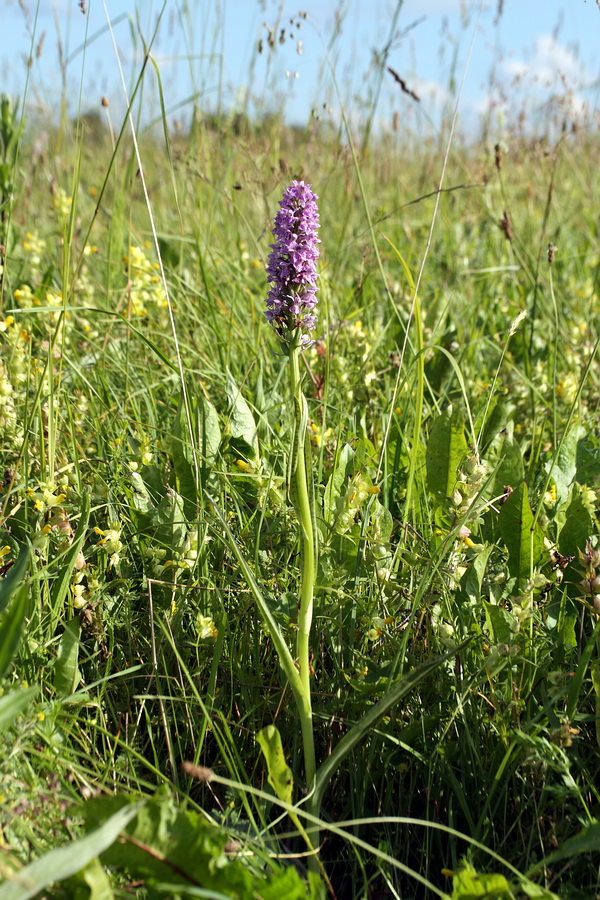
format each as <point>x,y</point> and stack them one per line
<point>498,157</point>
<point>551,252</point>
<point>202,773</point>
<point>506,225</point>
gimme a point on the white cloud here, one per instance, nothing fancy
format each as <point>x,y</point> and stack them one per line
<point>431,92</point>
<point>550,63</point>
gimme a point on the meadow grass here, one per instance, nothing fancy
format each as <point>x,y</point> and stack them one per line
<point>150,547</point>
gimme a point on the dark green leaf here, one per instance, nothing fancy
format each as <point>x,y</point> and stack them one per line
<point>11,628</point>
<point>446,449</point>
<point>13,578</point>
<point>501,623</point>
<point>66,672</point>
<point>525,543</point>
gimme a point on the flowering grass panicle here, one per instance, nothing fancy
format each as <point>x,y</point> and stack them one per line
<point>291,269</point>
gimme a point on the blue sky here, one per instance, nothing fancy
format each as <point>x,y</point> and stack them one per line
<point>533,51</point>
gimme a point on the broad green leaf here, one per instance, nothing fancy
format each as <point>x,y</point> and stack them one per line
<point>66,672</point>
<point>209,431</point>
<point>167,843</point>
<point>382,522</point>
<point>469,885</point>
<point>182,449</point>
<point>588,462</point>
<point>536,891</point>
<point>283,884</point>
<point>92,882</point>
<point>501,623</point>
<point>171,519</point>
<point>11,628</point>
<point>14,703</point>
<point>241,421</point>
<point>336,483</point>
<point>510,471</point>
<point>280,774</point>
<point>470,583</point>
<point>13,578</point>
<point>577,528</point>
<point>65,861</point>
<point>446,448</point>
<point>563,469</point>
<point>61,584</point>
<point>525,544</point>
<point>141,499</point>
<point>193,455</point>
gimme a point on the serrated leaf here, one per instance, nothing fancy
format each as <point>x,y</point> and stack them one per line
<point>66,672</point>
<point>167,843</point>
<point>446,448</point>
<point>524,543</point>
<point>14,703</point>
<point>280,774</point>
<point>241,421</point>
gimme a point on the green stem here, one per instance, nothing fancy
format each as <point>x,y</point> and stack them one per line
<point>301,489</point>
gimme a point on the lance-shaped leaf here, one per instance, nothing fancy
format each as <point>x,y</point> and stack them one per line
<point>280,774</point>
<point>446,449</point>
<point>524,542</point>
<point>242,425</point>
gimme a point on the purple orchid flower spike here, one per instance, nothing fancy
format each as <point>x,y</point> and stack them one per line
<point>292,269</point>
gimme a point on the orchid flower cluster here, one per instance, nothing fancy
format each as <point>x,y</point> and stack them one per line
<point>291,269</point>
